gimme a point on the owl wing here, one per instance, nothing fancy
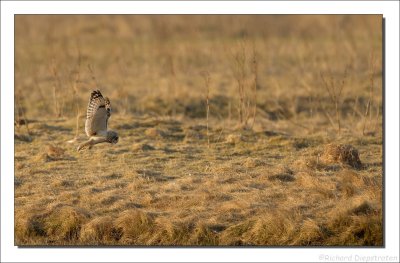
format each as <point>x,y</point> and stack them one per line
<point>97,114</point>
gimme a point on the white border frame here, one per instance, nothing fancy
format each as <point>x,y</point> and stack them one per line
<point>11,253</point>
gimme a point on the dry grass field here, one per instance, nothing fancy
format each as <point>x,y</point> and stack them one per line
<point>234,130</point>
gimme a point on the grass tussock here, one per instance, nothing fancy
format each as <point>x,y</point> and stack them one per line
<point>98,231</point>
<point>134,227</point>
<point>358,225</point>
<point>234,138</point>
<point>65,222</point>
<point>60,225</point>
<point>55,152</point>
<point>344,154</point>
<point>310,233</point>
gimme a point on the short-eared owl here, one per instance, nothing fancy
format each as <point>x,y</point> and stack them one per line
<point>97,115</point>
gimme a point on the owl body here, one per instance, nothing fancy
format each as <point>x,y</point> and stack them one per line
<point>96,124</point>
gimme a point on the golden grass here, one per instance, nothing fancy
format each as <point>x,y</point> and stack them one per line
<point>345,154</point>
<point>230,194</point>
<point>191,167</point>
<point>99,231</point>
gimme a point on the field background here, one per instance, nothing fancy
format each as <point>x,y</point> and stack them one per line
<point>230,130</point>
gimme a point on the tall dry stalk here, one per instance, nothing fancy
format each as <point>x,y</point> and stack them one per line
<point>172,83</point>
<point>243,72</point>
<point>229,113</point>
<point>371,91</point>
<point>376,118</point>
<point>122,65</point>
<point>56,90</point>
<point>21,114</point>
<point>335,94</point>
<point>206,77</point>
<point>75,92</point>
<point>255,83</point>
<point>93,76</point>
<point>240,76</point>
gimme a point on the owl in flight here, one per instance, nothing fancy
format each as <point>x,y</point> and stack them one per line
<point>97,115</point>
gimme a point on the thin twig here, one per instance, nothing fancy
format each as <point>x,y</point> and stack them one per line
<point>369,104</point>
<point>206,77</point>
<point>22,112</point>
<point>56,88</point>
<point>91,70</point>
<point>335,95</point>
<point>255,82</point>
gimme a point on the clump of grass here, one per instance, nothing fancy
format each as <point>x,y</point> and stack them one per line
<point>304,163</point>
<point>65,223</point>
<point>54,151</point>
<point>234,138</point>
<point>282,174</point>
<point>251,162</point>
<point>306,142</point>
<point>350,182</point>
<point>282,177</point>
<point>270,229</point>
<point>176,232</point>
<point>22,137</point>
<point>234,235</point>
<point>310,233</point>
<point>153,132</point>
<point>341,153</point>
<point>28,226</point>
<point>142,147</point>
<point>203,235</point>
<point>364,208</point>
<point>194,136</point>
<point>44,157</point>
<point>135,227</point>
<point>60,224</point>
<point>360,224</point>
<point>307,180</point>
<point>100,230</point>
<point>364,230</point>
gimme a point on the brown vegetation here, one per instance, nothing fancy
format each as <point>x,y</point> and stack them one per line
<point>345,154</point>
<point>278,143</point>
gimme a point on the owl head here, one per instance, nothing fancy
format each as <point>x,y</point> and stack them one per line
<point>112,137</point>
